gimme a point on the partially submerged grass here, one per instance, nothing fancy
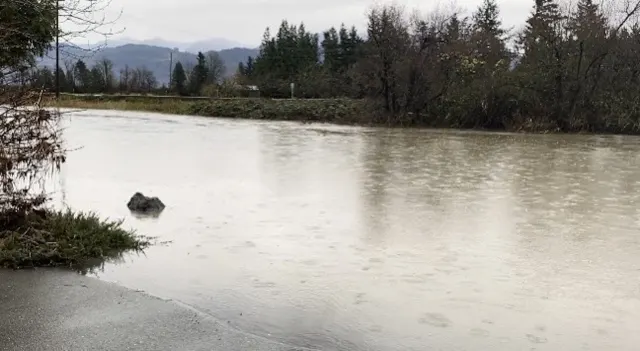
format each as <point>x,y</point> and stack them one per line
<point>161,106</point>
<point>341,111</point>
<point>62,238</point>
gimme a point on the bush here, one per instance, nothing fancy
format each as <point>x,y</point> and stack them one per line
<point>62,238</point>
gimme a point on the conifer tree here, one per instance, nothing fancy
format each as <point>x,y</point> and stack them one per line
<point>199,75</point>
<point>179,79</point>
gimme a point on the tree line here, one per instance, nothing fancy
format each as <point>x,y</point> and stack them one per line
<point>570,68</point>
<point>205,78</point>
<point>77,77</point>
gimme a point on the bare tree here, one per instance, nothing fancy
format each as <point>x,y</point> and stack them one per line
<point>69,68</point>
<point>149,81</point>
<point>31,143</point>
<point>106,67</point>
<point>125,78</point>
<point>80,18</point>
<point>215,68</point>
<point>388,33</point>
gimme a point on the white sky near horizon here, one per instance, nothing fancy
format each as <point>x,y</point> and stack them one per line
<point>244,21</point>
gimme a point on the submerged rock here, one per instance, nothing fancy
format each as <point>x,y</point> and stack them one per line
<point>144,204</point>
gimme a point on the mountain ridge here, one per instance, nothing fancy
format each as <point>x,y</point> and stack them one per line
<point>208,44</point>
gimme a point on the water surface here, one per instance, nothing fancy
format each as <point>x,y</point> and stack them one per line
<point>340,238</point>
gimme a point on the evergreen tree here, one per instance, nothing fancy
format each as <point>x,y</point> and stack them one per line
<point>343,39</point>
<point>387,36</point>
<point>178,79</point>
<point>545,61</point>
<point>70,82</point>
<point>64,86</point>
<point>27,30</point>
<point>245,70</point>
<point>486,19</point>
<point>331,50</point>
<point>43,79</point>
<point>588,22</point>
<point>350,46</point>
<point>249,67</point>
<point>289,53</point>
<point>453,30</point>
<point>97,80</point>
<point>82,76</point>
<point>198,75</point>
<point>340,49</point>
<point>307,47</point>
<point>292,55</point>
<point>489,34</point>
<point>542,31</point>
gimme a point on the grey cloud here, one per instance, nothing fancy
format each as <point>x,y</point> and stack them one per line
<point>244,21</point>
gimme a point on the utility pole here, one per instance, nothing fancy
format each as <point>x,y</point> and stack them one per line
<point>57,70</point>
<point>170,69</point>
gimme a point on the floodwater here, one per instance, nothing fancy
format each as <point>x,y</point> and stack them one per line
<point>341,238</point>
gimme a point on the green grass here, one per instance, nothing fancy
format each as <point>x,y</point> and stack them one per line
<point>63,238</point>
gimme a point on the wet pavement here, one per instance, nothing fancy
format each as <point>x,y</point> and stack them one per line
<point>58,310</point>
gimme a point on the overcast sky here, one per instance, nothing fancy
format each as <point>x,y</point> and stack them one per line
<point>244,21</point>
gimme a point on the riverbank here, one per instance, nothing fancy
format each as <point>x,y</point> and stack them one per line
<point>62,238</point>
<point>339,111</point>
<point>50,309</point>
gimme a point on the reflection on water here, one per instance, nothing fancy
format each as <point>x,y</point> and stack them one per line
<point>375,239</point>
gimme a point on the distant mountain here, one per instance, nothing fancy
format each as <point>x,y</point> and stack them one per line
<point>216,44</point>
<point>154,58</point>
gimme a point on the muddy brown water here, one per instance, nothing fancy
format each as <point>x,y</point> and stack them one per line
<point>344,238</point>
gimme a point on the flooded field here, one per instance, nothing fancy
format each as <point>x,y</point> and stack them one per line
<point>341,238</point>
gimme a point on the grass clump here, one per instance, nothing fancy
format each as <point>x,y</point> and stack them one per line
<point>48,238</point>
